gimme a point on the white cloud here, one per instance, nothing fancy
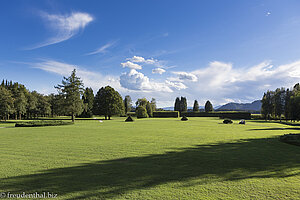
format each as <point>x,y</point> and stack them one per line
<point>186,76</point>
<point>131,65</point>
<point>177,85</point>
<point>103,48</point>
<point>89,78</point>
<point>139,59</point>
<point>158,71</point>
<point>64,26</point>
<point>134,80</point>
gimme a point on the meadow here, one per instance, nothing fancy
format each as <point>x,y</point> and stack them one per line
<point>151,159</point>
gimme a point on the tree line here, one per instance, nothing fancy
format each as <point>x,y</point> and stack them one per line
<point>17,102</point>
<point>282,103</point>
<point>181,105</point>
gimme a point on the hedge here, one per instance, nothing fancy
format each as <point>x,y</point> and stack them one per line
<point>36,123</point>
<point>230,115</point>
<point>165,114</point>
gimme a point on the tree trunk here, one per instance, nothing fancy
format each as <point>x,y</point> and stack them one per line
<point>73,118</point>
<point>105,117</point>
<point>108,117</point>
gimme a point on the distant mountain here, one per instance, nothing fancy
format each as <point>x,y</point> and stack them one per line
<point>254,106</point>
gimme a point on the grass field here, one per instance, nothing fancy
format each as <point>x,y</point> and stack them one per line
<point>151,159</point>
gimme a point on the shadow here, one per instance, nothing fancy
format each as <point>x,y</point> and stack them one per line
<point>273,129</point>
<point>243,159</point>
<point>276,122</point>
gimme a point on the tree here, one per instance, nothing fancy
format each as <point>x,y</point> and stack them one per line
<point>108,102</point>
<point>141,112</point>
<point>20,104</point>
<point>279,102</point>
<point>153,104</point>
<point>149,109</point>
<point>141,102</point>
<point>43,106</point>
<point>208,107</point>
<point>183,104</point>
<point>287,106</point>
<point>71,89</point>
<point>88,102</point>
<point>6,103</point>
<point>32,99</point>
<point>196,106</point>
<point>177,104</point>
<point>267,107</point>
<point>127,103</point>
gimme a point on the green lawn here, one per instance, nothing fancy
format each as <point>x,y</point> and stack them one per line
<point>151,159</point>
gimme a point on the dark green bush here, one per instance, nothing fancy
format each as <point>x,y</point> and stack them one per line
<point>37,123</point>
<point>165,114</point>
<point>184,118</point>
<point>227,121</point>
<point>291,138</point>
<point>129,119</point>
<point>222,114</point>
<point>141,112</point>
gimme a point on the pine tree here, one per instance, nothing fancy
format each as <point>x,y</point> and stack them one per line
<point>196,106</point>
<point>71,89</point>
<point>177,104</point>
<point>88,102</point>
<point>208,107</point>
<point>183,104</point>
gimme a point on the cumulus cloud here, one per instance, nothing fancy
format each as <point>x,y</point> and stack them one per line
<point>139,59</point>
<point>158,71</point>
<point>131,65</point>
<point>64,26</point>
<point>175,84</point>
<point>134,80</point>
<point>186,76</point>
<point>103,48</point>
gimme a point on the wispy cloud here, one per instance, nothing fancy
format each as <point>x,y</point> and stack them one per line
<point>103,49</point>
<point>64,26</point>
<point>90,78</point>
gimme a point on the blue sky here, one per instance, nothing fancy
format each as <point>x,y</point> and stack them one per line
<point>224,51</point>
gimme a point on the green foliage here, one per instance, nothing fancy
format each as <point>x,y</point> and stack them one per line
<point>149,109</point>
<point>37,123</point>
<point>6,103</point>
<point>141,112</point>
<point>222,114</point>
<point>88,103</point>
<point>208,107</point>
<point>166,114</point>
<point>141,102</point>
<point>71,89</point>
<point>227,121</point>
<point>127,103</point>
<point>153,104</point>
<point>196,106</point>
<point>180,104</point>
<point>108,102</point>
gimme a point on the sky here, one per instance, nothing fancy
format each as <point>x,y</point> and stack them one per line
<point>222,51</point>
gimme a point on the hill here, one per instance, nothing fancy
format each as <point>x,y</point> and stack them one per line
<point>254,106</point>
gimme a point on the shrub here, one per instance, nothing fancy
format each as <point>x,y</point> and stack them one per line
<point>166,114</point>
<point>184,118</point>
<point>141,112</point>
<point>222,115</point>
<point>37,123</point>
<point>129,119</point>
<point>227,121</point>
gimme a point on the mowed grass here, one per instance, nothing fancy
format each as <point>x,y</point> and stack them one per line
<point>151,159</point>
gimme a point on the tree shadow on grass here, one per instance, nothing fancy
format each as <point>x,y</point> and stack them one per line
<point>273,129</point>
<point>244,159</point>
